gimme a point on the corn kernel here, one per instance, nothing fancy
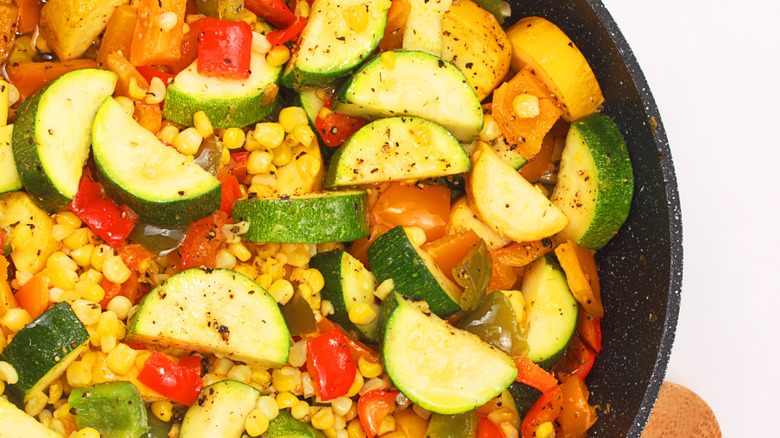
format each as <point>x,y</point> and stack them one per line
<point>90,291</point>
<point>509,430</point>
<point>87,311</point>
<point>8,373</point>
<point>545,430</point>
<point>526,106</point>
<point>241,373</point>
<point>268,134</point>
<point>99,256</point>
<point>16,318</point>
<point>259,162</point>
<point>282,155</point>
<point>384,289</point>
<point>282,290</point>
<point>286,400</point>
<point>341,405</point>
<point>188,141</point>
<point>308,165</point>
<point>357,384</point>
<point>302,9</point>
<point>75,240</point>
<point>257,422</point>
<point>269,95</point>
<point>168,133</point>
<point>168,20</point>
<point>297,357</point>
<point>490,130</point>
<point>240,251</point>
<point>355,429</point>
<point>203,124</point>
<point>82,255</point>
<point>326,307</point>
<point>156,92</point>
<point>225,260</point>
<point>233,138</point>
<point>277,56</point>
<point>163,410</point>
<point>222,366</point>
<point>362,314</point>
<point>87,432</point>
<point>68,218</point>
<point>120,305</point>
<point>323,419</point>
<point>107,324</point>
<point>92,275</point>
<point>287,379</point>
<point>369,369</point>
<point>115,270</point>
<point>388,59</point>
<point>210,379</point>
<point>260,43</point>
<point>300,410</point>
<point>64,279</point>
<point>268,406</point>
<point>293,117</point>
<point>356,17</point>
<point>121,359</point>
<point>136,90</point>
<point>45,417</point>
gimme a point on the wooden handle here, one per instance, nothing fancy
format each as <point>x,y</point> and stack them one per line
<point>679,412</point>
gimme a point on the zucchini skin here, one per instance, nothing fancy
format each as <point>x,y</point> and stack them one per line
<point>42,345</point>
<point>28,162</point>
<point>179,107</point>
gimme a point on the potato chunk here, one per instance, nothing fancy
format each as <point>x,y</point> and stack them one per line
<point>70,26</point>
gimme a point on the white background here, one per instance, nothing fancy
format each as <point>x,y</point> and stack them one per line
<point>714,69</point>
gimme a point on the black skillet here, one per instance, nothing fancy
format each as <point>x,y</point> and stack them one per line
<point>640,269</point>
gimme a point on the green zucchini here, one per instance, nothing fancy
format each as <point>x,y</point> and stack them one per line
<point>53,132</point>
<point>15,423</point>
<point>213,311</point>
<point>337,216</point>
<point>433,89</point>
<point>551,311</point>
<point>115,409</point>
<point>9,177</point>
<point>43,349</point>
<point>595,182</point>
<point>329,47</point>
<point>161,185</point>
<point>413,271</point>
<point>347,283</point>
<point>220,411</point>
<point>463,425</point>
<point>227,102</point>
<point>285,426</point>
<point>438,367</point>
<point>396,148</point>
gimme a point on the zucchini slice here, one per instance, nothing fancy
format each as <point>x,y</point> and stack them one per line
<point>347,283</point>
<point>213,311</point>
<point>227,102</point>
<point>329,47</point>
<point>396,148</point>
<point>595,182</point>
<point>551,311</point>
<point>9,177</point>
<point>433,88</point>
<point>313,218</point>
<point>44,348</point>
<point>413,271</point>
<point>15,423</point>
<point>221,410</point>
<point>52,134</point>
<point>506,202</point>
<point>157,182</point>
<point>285,426</point>
<point>115,409</point>
<point>439,367</point>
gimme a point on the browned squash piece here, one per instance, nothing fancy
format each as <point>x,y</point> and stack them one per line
<point>582,276</point>
<point>527,132</point>
<point>396,23</point>
<point>522,253</point>
<point>8,15</point>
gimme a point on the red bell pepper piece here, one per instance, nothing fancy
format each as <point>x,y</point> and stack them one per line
<point>130,289</point>
<point>280,36</point>
<point>356,348</point>
<point>193,363</point>
<point>100,213</point>
<point>203,241</point>
<point>533,375</point>
<point>546,408</point>
<point>373,407</point>
<point>335,128</point>
<point>487,429</point>
<point>224,48</point>
<point>589,330</point>
<point>236,166</point>
<point>577,361</point>
<point>330,364</point>
<point>149,72</point>
<point>172,380</point>
<point>230,192</point>
<point>133,254</point>
<point>275,12</point>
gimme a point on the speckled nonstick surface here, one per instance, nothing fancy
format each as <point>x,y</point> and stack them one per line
<point>641,268</point>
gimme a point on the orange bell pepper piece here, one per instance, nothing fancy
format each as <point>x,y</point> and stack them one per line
<point>582,276</point>
<point>450,250</point>
<point>118,36</point>
<point>147,115</point>
<point>29,14</point>
<point>397,16</point>
<point>29,76</point>
<point>576,416</point>
<point>34,296</point>
<point>546,408</point>
<point>153,43</point>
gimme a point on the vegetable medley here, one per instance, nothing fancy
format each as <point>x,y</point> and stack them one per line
<point>321,218</point>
